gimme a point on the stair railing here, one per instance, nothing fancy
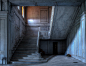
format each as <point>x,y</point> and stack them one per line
<point>16,45</point>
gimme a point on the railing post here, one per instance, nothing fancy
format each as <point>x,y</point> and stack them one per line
<point>38,42</point>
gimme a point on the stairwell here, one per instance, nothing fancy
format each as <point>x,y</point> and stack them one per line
<point>27,51</point>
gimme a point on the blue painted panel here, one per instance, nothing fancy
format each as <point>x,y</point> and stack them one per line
<point>77,40</point>
<point>83,38</point>
<point>80,46</point>
<point>77,44</point>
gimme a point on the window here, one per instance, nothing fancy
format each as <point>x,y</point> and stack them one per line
<point>23,11</point>
<point>18,7</point>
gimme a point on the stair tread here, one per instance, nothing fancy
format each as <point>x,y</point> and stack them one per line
<point>26,44</point>
<point>29,61</point>
<point>20,49</point>
<point>27,48</point>
<point>23,53</point>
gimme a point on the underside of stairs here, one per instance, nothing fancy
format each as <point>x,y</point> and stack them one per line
<point>26,52</point>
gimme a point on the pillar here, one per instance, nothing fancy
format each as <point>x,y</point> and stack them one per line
<point>3,30</point>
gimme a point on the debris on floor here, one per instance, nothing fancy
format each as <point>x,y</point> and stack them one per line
<point>68,55</point>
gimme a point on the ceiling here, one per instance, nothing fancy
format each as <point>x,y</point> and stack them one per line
<point>46,2</point>
<point>62,21</point>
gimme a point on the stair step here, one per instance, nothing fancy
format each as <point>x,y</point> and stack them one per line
<point>21,50</point>
<point>19,55</point>
<point>32,55</point>
<point>30,37</point>
<point>29,40</point>
<point>28,62</point>
<point>31,60</point>
<point>27,44</point>
<point>17,58</point>
<point>22,53</point>
<point>26,49</point>
<point>34,48</point>
<point>14,59</point>
<point>32,42</point>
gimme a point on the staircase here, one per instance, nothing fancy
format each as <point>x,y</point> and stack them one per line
<point>26,52</point>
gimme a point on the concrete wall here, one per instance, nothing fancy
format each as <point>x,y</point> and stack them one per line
<point>16,28</point>
<point>47,46</point>
<point>63,17</point>
<point>76,38</point>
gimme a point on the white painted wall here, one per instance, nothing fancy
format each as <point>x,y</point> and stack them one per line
<point>76,38</point>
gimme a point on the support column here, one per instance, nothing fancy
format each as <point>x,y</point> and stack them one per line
<point>38,42</point>
<point>3,30</point>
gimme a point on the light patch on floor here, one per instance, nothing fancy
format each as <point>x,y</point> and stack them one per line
<point>56,61</point>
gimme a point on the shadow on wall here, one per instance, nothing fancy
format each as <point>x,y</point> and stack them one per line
<point>72,36</point>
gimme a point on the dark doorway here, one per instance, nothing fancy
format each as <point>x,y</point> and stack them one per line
<point>55,44</point>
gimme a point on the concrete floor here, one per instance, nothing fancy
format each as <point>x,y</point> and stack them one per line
<point>55,61</point>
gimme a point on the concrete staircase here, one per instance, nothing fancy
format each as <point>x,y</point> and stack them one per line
<point>26,52</point>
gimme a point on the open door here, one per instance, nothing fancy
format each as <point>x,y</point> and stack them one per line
<point>55,44</point>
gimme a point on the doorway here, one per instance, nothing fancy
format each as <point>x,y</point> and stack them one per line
<point>55,45</point>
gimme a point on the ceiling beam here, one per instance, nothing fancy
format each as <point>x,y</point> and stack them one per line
<point>46,2</point>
